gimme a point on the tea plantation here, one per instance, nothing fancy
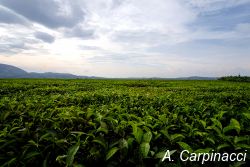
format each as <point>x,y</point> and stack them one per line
<point>121,122</point>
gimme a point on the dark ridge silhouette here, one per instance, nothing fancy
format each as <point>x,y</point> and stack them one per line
<point>8,71</point>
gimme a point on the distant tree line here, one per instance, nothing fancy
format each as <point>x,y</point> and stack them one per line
<point>238,78</point>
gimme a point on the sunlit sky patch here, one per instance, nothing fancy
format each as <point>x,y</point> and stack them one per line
<point>127,38</point>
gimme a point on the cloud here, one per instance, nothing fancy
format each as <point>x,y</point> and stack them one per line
<point>50,13</point>
<point>140,16</point>
<point>243,28</point>
<point>16,39</point>
<point>213,6</point>
<point>80,31</point>
<point>10,45</point>
<point>45,37</point>
<point>8,16</point>
<point>129,37</point>
<point>87,47</point>
<point>116,57</point>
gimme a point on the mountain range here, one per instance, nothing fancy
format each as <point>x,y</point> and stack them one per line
<point>9,71</point>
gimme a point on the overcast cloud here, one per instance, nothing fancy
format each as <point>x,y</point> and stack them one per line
<point>127,38</point>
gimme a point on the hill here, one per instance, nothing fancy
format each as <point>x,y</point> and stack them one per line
<point>8,71</point>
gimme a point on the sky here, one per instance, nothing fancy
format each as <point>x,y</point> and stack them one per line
<point>127,38</point>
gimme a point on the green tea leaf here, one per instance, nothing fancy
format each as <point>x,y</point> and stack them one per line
<point>144,149</point>
<point>238,139</point>
<point>247,115</point>
<point>71,154</point>
<point>234,125</point>
<point>111,152</point>
<point>137,132</point>
<point>176,137</point>
<point>147,137</point>
<point>161,154</point>
<point>123,144</point>
<point>223,146</point>
<point>185,146</point>
<point>31,155</point>
<point>216,123</point>
<point>205,150</point>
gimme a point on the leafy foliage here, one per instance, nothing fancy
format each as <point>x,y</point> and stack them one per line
<point>120,122</point>
<point>236,78</point>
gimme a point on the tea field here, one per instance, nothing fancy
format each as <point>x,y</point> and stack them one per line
<point>121,122</point>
